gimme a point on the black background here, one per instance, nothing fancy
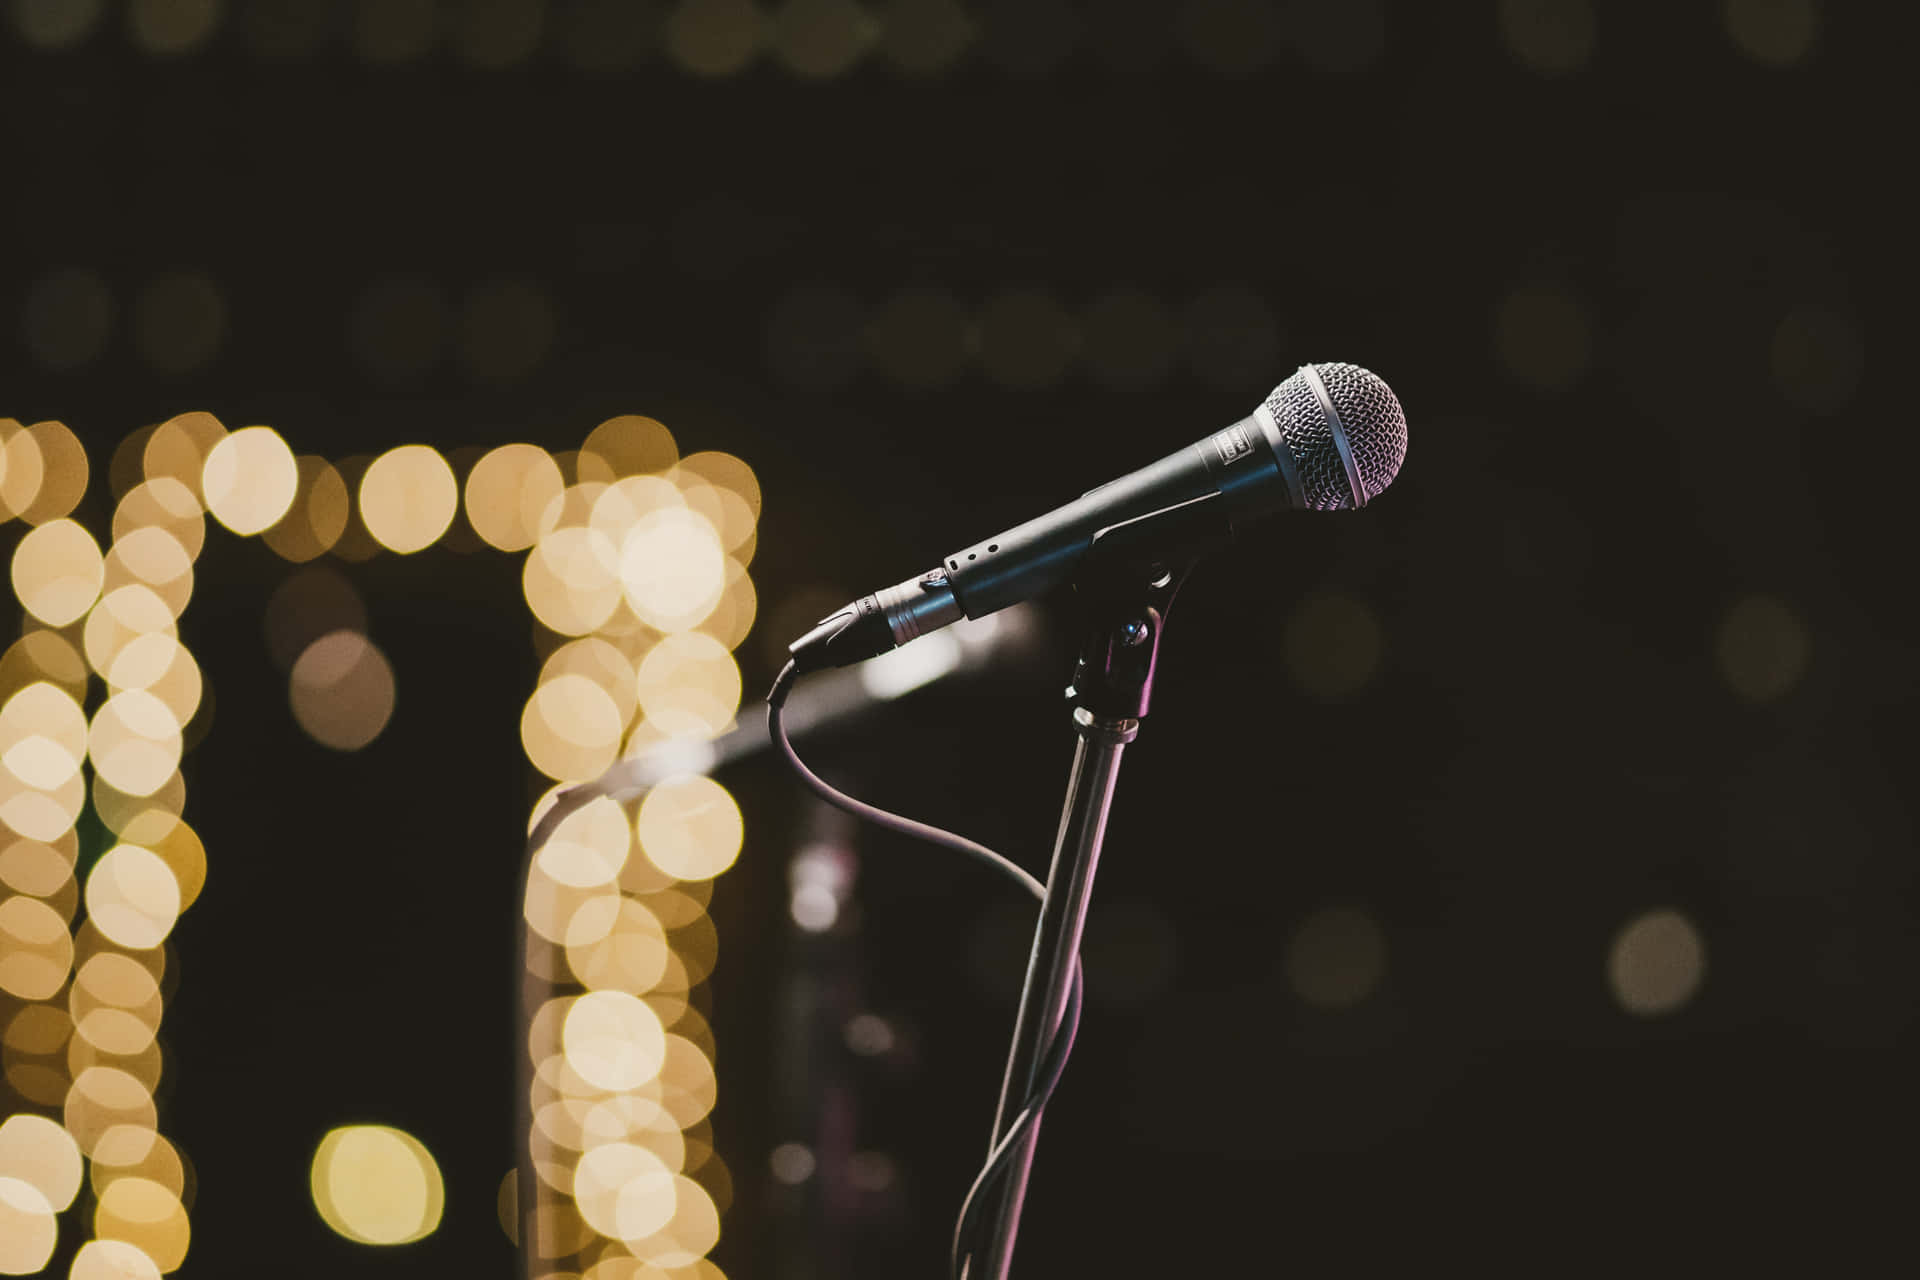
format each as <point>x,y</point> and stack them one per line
<point>1545,749</point>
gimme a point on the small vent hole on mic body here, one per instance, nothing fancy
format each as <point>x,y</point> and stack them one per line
<point>954,565</point>
<point>972,556</point>
<point>992,547</point>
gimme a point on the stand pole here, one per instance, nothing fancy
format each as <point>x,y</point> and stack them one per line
<point>1056,944</point>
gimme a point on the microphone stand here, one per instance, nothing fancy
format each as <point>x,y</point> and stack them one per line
<point>1128,581</point>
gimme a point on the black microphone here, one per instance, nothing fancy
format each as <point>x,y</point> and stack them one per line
<point>1329,438</point>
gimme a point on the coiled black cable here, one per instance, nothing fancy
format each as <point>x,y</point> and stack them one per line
<point>1053,1064</point>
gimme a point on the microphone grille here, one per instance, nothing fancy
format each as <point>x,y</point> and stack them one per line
<point>1371,419</point>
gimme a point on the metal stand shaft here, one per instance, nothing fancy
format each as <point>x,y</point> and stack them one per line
<point>1056,944</point>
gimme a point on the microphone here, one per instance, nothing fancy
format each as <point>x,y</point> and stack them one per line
<point>1329,438</point>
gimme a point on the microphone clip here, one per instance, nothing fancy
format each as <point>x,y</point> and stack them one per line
<point>1126,583</point>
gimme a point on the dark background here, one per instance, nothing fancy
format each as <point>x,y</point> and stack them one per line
<point>1633,269</point>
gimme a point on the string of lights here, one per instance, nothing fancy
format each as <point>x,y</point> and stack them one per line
<point>636,573</point>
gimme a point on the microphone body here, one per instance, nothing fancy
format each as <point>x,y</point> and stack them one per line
<point>1292,452</point>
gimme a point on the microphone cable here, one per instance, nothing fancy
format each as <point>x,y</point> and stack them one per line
<point>1053,1063</point>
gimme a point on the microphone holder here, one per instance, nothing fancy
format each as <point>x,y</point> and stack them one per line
<point>1126,582</point>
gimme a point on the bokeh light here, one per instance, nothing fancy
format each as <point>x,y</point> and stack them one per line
<point>146,1215</point>
<point>167,28</point>
<point>613,1041</point>
<point>112,1260</point>
<point>165,503</point>
<point>341,690</point>
<point>690,828</point>
<point>63,472</point>
<point>68,318</point>
<point>133,897</point>
<point>316,518</point>
<point>55,24</point>
<point>250,479</point>
<point>377,1185</point>
<point>1656,963</point>
<point>507,493</point>
<point>135,742</point>
<point>408,498</point>
<point>715,37</point>
<point>672,569</point>
<point>1548,37</point>
<point>28,1230</point>
<point>571,728</point>
<point>36,951</point>
<point>152,558</point>
<point>38,1152</point>
<point>1773,33</point>
<point>57,572</point>
<point>179,322</point>
<point>104,1100</point>
<point>572,579</point>
<point>22,469</point>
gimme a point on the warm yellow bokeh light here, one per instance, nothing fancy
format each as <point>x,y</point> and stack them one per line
<point>599,661</point>
<point>318,515</point>
<point>122,615</point>
<point>151,557</point>
<point>129,1151</point>
<point>1656,963</point>
<point>572,579</point>
<point>112,1260</point>
<point>21,469</point>
<point>672,569</point>
<point>571,728</point>
<point>629,445</point>
<point>133,897</point>
<point>689,686</point>
<point>135,742</point>
<point>589,846</point>
<point>104,1099</point>
<point>408,498</point>
<point>623,1190</point>
<point>63,481</point>
<point>36,950</point>
<point>28,1230</point>
<point>613,1040</point>
<point>39,1152</point>
<point>57,572</point>
<point>147,1215</point>
<point>508,491</point>
<point>167,504</point>
<point>250,479</point>
<point>342,690</point>
<point>690,828</point>
<point>115,1003</point>
<point>43,735</point>
<point>178,449</point>
<point>615,944</point>
<point>377,1185</point>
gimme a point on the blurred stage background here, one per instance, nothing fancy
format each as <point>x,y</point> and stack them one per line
<point>1517,873</point>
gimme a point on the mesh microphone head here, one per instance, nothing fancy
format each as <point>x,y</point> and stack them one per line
<point>1345,430</point>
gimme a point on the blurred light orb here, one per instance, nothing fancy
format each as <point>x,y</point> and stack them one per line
<point>613,1041</point>
<point>399,326</point>
<point>690,827</point>
<point>112,1260</point>
<point>1336,958</point>
<point>819,39</point>
<point>1763,648</point>
<point>153,558</point>
<point>623,1190</point>
<point>135,742</point>
<point>307,605</point>
<point>1548,37</point>
<point>506,329</point>
<point>22,469</point>
<point>1656,963</point>
<point>146,1215</point>
<point>589,846</point>
<point>43,735</point>
<point>408,498</point>
<point>168,27</point>
<point>57,572</point>
<point>1774,33</point>
<point>507,492</point>
<point>571,729</point>
<point>925,37</point>
<point>615,944</point>
<point>28,1230</point>
<point>63,472</point>
<point>672,569</point>
<point>689,685</point>
<point>36,951</point>
<point>599,661</point>
<point>124,616</point>
<point>572,580</point>
<point>690,1232</point>
<point>628,445</point>
<point>165,503</point>
<point>377,1185</point>
<point>104,1100</point>
<point>130,1151</point>
<point>55,24</point>
<point>133,897</point>
<point>1130,340</point>
<point>177,449</point>
<point>318,515</point>
<point>341,690</point>
<point>1027,339</point>
<point>715,37</point>
<point>919,337</point>
<point>1231,336</point>
<point>250,479</point>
